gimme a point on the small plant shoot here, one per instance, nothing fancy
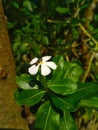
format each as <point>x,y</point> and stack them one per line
<point>56,90</point>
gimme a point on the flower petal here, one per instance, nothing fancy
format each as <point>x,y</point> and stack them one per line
<point>46,58</point>
<point>45,70</point>
<point>33,69</point>
<point>34,60</point>
<point>51,64</point>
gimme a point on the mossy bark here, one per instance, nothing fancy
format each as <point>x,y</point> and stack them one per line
<point>10,112</point>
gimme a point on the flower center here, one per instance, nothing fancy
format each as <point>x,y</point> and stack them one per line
<point>39,62</point>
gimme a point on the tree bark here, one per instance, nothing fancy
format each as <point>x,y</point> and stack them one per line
<point>10,111</point>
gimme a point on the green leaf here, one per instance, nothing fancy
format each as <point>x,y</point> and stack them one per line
<point>91,103</point>
<point>81,97</point>
<point>47,118</point>
<point>45,40</point>
<point>61,67</point>
<point>84,91</point>
<point>16,5</point>
<point>67,122</point>
<point>62,104</point>
<point>74,71</point>
<point>62,10</point>
<point>75,33</point>
<point>66,70</point>
<point>29,97</point>
<point>25,82</point>
<point>28,5</point>
<point>63,86</point>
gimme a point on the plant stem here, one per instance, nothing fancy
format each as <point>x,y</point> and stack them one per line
<point>88,34</point>
<point>88,68</point>
<point>93,53</point>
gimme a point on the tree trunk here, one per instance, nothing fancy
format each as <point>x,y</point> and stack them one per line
<point>10,112</point>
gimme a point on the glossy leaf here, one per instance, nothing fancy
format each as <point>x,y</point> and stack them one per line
<point>25,81</point>
<point>84,92</point>
<point>61,67</point>
<point>81,97</point>
<point>75,71</point>
<point>66,70</point>
<point>90,103</point>
<point>67,122</point>
<point>47,118</point>
<point>63,86</point>
<point>29,97</point>
<point>62,104</point>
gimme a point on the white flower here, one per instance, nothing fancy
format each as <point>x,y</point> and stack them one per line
<point>45,64</point>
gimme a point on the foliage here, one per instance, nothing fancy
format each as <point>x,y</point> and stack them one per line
<point>56,96</point>
<point>36,27</point>
<point>67,30</point>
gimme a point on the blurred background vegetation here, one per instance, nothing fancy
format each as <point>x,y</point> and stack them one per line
<point>54,27</point>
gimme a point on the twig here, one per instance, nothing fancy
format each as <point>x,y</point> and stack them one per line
<point>88,68</point>
<point>93,54</point>
<point>89,35</point>
<point>93,78</point>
